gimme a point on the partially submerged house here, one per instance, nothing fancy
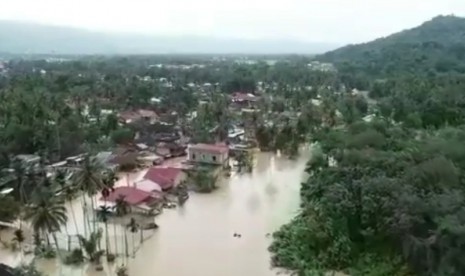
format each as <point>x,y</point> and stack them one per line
<point>125,157</point>
<point>170,150</point>
<point>119,158</point>
<point>161,179</point>
<point>138,200</point>
<point>215,154</point>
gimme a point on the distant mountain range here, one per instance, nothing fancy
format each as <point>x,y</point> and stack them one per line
<point>30,38</point>
<point>436,46</point>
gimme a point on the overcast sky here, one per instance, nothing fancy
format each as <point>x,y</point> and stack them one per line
<point>335,21</point>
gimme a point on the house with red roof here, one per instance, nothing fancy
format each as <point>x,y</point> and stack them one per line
<point>241,99</point>
<point>215,154</point>
<point>137,199</point>
<point>161,179</point>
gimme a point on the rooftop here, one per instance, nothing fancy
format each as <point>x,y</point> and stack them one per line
<point>240,97</point>
<point>164,177</point>
<point>131,195</point>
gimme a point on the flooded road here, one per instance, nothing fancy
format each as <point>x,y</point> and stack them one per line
<point>198,238</point>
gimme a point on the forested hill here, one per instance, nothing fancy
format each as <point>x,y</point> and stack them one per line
<point>436,46</point>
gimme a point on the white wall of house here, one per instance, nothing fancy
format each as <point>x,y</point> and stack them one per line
<point>195,155</point>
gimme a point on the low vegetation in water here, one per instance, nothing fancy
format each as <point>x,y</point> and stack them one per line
<point>203,181</point>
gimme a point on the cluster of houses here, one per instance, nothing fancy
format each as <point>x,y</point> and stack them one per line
<point>148,192</point>
<point>162,150</point>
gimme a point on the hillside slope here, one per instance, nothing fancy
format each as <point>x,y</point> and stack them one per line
<point>30,38</point>
<point>436,46</point>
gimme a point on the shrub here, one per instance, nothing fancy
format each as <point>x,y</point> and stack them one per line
<point>76,257</point>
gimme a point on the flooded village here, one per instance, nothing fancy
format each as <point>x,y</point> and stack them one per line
<point>169,190</point>
<point>341,163</point>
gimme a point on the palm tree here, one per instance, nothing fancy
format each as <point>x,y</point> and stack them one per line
<point>66,191</point>
<point>90,246</point>
<point>133,226</point>
<point>121,206</point>
<point>89,179</point>
<point>47,215</point>
<point>18,179</point>
<point>19,238</point>
<point>110,180</point>
<point>103,214</point>
<point>69,193</point>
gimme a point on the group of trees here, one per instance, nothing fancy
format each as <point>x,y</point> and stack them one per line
<point>42,200</point>
<point>391,205</point>
<point>386,197</point>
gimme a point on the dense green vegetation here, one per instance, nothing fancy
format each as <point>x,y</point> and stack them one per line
<point>436,47</point>
<point>386,197</point>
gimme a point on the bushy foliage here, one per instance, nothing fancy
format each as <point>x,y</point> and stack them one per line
<point>390,205</point>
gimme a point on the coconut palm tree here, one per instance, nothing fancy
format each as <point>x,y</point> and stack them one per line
<point>133,226</point>
<point>110,179</point>
<point>47,214</point>
<point>89,179</point>
<point>69,193</point>
<point>17,179</point>
<point>90,246</point>
<point>19,239</point>
<point>103,214</point>
<point>66,191</point>
<point>121,206</point>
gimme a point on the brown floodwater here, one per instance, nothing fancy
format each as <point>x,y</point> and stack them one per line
<point>198,238</point>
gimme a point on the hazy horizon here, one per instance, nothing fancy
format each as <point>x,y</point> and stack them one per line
<point>311,21</point>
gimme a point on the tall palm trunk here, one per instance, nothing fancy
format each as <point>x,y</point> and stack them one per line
<point>74,217</point>
<point>115,236</point>
<point>107,236</point>
<point>54,236</point>
<point>58,251</point>
<point>107,239</point>
<point>94,220</point>
<point>126,243</point>
<point>133,244</point>
<point>22,200</point>
<point>85,219</point>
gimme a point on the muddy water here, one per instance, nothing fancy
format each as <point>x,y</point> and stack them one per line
<point>197,239</point>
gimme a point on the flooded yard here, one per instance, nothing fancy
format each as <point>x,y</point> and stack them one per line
<point>198,238</point>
